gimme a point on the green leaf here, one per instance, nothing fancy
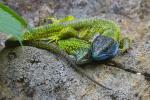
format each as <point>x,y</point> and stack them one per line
<point>11,23</point>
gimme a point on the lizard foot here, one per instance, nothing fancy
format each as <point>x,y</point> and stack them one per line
<point>125,44</point>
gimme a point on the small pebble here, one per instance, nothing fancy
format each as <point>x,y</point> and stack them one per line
<point>138,73</point>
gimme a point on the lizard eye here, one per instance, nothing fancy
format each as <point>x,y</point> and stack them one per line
<point>104,48</point>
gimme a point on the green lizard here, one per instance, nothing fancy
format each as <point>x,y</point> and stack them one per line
<point>76,36</point>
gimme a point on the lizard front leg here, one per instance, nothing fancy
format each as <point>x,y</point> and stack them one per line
<point>124,44</point>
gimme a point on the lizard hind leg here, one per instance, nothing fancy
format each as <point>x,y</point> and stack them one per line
<point>124,44</point>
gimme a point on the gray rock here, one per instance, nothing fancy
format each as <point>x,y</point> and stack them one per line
<point>36,11</point>
<point>38,74</point>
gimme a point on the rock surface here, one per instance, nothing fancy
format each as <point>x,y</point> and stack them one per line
<point>29,73</point>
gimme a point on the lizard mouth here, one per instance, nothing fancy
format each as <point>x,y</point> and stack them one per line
<point>104,48</point>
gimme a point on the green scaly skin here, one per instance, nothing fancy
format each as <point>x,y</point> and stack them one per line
<point>84,29</point>
<point>81,28</point>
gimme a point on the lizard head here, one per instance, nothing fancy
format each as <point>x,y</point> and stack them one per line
<point>103,48</point>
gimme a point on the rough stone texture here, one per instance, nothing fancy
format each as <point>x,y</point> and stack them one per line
<point>36,10</point>
<point>42,75</point>
<point>34,74</point>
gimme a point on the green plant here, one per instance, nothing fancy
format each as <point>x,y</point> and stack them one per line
<point>11,23</point>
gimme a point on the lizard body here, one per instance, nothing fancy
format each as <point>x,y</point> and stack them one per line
<point>84,30</point>
<point>80,28</point>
